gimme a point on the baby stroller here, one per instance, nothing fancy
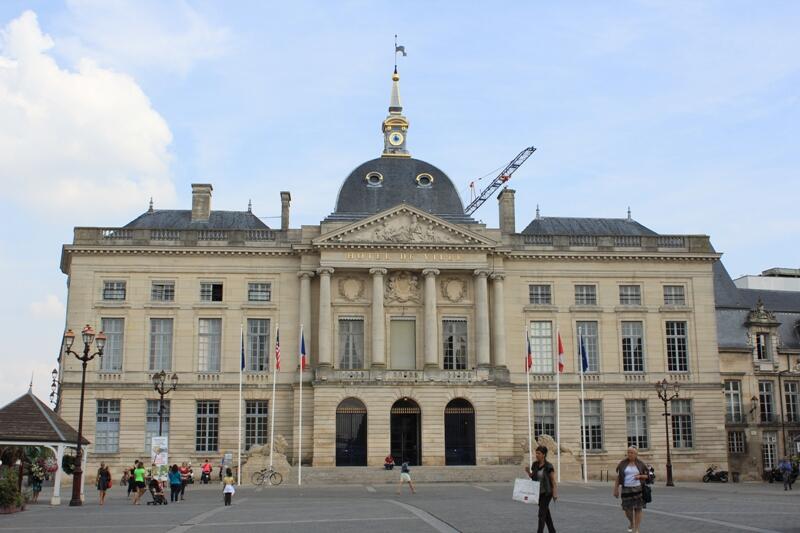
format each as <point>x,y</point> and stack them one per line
<point>157,492</point>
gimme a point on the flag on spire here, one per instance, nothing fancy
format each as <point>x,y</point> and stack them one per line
<point>560,354</point>
<point>278,349</point>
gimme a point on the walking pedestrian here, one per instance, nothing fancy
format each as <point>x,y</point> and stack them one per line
<point>632,474</point>
<point>37,476</point>
<point>138,476</point>
<point>103,482</point>
<point>543,472</point>
<point>405,476</point>
<point>174,483</point>
<point>185,473</point>
<point>228,490</point>
<point>131,480</point>
<point>785,468</point>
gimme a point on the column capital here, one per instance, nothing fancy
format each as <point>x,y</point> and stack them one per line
<point>430,272</point>
<point>378,271</point>
<point>322,271</point>
<point>481,273</point>
<point>305,274</point>
<point>499,276</point>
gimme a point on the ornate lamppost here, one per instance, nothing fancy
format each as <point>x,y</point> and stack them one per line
<point>159,385</point>
<point>87,335</point>
<point>667,392</point>
<point>54,389</point>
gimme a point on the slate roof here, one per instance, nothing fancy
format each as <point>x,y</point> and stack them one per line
<point>586,226</point>
<point>28,419</point>
<point>357,200</point>
<point>182,219</point>
<point>733,308</point>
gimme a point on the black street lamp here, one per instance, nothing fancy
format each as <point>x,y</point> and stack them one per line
<point>667,395</point>
<point>159,385</point>
<point>87,336</point>
<point>54,389</point>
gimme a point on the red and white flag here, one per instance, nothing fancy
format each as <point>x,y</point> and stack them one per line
<point>560,354</point>
<point>278,349</point>
<point>529,357</point>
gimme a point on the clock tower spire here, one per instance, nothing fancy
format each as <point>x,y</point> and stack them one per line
<point>395,125</point>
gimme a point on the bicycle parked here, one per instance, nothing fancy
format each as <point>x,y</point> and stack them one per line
<point>268,473</point>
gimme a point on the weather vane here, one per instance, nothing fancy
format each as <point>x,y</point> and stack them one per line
<point>398,50</point>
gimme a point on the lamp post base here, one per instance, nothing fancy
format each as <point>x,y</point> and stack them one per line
<point>669,475</point>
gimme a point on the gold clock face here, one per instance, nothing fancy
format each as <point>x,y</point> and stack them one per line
<point>395,138</point>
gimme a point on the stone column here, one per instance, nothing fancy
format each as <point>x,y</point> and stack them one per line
<point>482,317</point>
<point>378,324</point>
<point>498,321</point>
<point>305,308</point>
<point>325,329</point>
<point>431,323</point>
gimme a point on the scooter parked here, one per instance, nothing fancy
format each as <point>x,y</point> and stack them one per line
<point>714,475</point>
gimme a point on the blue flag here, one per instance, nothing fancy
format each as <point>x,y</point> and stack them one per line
<point>242,349</point>
<point>584,357</point>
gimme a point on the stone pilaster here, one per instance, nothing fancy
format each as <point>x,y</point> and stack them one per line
<point>498,321</point>
<point>482,318</point>
<point>431,323</point>
<point>325,325</point>
<point>378,324</point>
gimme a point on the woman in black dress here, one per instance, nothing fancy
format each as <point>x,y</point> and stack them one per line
<point>103,481</point>
<point>545,474</point>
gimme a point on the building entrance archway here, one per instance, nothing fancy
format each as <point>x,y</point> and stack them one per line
<point>351,433</point>
<point>406,432</point>
<point>459,433</point>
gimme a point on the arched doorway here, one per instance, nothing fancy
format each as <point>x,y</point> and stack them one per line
<point>406,432</point>
<point>459,433</point>
<point>351,433</point>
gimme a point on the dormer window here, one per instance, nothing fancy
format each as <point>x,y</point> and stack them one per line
<point>424,180</point>
<point>762,347</point>
<point>374,179</point>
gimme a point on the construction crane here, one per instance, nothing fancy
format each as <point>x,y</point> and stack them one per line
<point>501,178</point>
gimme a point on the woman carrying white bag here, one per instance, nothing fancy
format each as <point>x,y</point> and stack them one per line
<point>545,474</point>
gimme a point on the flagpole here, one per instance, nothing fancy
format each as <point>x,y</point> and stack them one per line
<point>241,371</point>
<point>581,349</point>
<point>558,404</point>
<point>300,439</point>
<point>272,402</point>
<point>528,397</point>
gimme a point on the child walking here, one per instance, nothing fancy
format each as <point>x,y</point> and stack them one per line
<point>229,482</point>
<point>405,476</point>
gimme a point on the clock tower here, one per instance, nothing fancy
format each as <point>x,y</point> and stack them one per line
<point>395,125</point>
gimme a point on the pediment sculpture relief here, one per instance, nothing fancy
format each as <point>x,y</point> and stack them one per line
<point>406,228</point>
<point>351,288</point>
<point>454,289</point>
<point>402,287</point>
<point>760,315</point>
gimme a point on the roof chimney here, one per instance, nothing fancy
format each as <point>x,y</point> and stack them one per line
<point>505,201</point>
<point>286,199</point>
<point>201,201</point>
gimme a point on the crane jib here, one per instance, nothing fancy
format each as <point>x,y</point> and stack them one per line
<point>501,178</point>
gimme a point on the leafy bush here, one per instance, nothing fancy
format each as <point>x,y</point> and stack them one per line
<point>9,495</point>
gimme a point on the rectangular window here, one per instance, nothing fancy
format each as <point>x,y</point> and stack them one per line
<point>258,344</point>
<point>256,426</point>
<point>585,295</point>
<point>587,331</point>
<point>259,292</point>
<point>762,347</point>
<point>351,343</point>
<point>209,344</point>
<point>160,344</point>
<point>592,430</point>
<point>736,442</point>
<point>544,418</point>
<point>792,392</point>
<point>106,434</point>
<point>636,420</point>
<point>733,402</point>
<point>542,347</point>
<point>677,347</point>
<point>454,334</point>
<point>674,295</point>
<point>114,328</point>
<point>113,290</point>
<point>211,292</point>
<point>151,425</point>
<point>632,347</point>
<point>766,401</point>
<point>540,295</point>
<point>769,449</point>
<point>162,291</point>
<point>682,424</point>
<point>207,426</point>
<point>630,295</point>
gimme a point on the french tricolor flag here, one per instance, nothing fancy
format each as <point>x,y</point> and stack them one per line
<point>303,361</point>
<point>560,354</point>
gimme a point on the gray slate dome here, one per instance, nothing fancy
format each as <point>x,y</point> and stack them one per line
<point>359,198</point>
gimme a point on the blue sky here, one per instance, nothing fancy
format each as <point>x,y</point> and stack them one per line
<point>685,111</point>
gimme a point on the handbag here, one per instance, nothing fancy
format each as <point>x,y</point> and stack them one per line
<point>647,494</point>
<point>526,491</point>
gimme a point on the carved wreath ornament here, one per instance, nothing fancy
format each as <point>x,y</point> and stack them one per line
<point>351,289</point>
<point>402,287</point>
<point>454,289</point>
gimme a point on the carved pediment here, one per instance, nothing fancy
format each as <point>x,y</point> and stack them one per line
<point>403,225</point>
<point>761,316</point>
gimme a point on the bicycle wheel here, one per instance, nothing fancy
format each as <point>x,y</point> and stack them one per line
<point>257,478</point>
<point>275,478</point>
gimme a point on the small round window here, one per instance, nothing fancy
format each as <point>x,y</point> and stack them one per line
<point>424,180</point>
<point>374,179</point>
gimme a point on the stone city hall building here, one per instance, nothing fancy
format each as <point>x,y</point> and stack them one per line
<point>414,316</point>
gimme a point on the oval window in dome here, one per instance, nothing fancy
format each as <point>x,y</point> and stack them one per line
<point>424,180</point>
<point>373,179</point>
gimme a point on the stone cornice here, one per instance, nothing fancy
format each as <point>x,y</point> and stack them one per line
<point>519,255</point>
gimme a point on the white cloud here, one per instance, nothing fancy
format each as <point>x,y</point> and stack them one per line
<point>50,307</point>
<point>88,138</point>
<point>126,34</point>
